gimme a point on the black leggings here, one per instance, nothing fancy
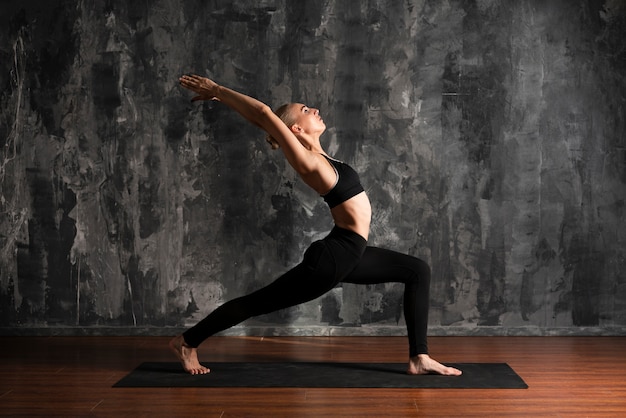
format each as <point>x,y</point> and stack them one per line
<point>343,256</point>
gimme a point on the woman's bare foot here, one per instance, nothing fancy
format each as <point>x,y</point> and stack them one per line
<point>188,356</point>
<point>423,364</point>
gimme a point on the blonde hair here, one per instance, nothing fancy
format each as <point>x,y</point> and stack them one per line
<point>285,115</point>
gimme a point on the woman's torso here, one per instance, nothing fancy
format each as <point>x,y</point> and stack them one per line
<point>355,212</point>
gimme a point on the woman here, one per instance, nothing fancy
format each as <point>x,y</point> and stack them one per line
<point>343,256</point>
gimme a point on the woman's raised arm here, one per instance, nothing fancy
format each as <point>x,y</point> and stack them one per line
<point>257,113</point>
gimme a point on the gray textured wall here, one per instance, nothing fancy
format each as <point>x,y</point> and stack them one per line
<point>490,136</point>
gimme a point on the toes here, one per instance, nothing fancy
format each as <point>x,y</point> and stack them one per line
<point>199,370</point>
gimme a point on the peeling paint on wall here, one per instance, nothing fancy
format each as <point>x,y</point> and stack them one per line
<point>490,138</point>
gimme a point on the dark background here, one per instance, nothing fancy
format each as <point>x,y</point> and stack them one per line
<point>490,136</point>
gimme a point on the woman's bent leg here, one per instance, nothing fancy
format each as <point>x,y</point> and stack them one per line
<point>382,266</point>
<point>379,265</point>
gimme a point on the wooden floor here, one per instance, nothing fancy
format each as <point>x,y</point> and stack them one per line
<point>72,376</point>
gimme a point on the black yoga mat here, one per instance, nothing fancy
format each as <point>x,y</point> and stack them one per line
<point>322,375</point>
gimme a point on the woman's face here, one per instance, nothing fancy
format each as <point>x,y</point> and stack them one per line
<point>307,119</point>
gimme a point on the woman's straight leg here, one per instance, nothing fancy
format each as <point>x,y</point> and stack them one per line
<point>324,263</point>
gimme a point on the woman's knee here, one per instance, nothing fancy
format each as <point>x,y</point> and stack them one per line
<point>421,269</point>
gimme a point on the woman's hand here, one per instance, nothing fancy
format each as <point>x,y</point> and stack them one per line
<point>205,88</point>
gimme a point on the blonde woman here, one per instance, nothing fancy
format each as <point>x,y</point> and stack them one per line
<point>342,256</point>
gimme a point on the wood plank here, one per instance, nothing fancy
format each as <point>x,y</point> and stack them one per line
<point>72,376</point>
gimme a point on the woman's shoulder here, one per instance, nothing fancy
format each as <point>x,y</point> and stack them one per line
<point>321,175</point>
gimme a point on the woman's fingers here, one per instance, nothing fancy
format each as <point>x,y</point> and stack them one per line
<point>190,81</point>
<point>197,83</point>
<point>200,85</point>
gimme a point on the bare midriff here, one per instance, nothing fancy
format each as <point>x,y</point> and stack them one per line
<point>355,214</point>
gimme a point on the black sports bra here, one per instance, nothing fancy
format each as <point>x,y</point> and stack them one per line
<point>346,186</point>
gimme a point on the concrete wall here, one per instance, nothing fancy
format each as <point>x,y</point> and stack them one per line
<point>490,136</point>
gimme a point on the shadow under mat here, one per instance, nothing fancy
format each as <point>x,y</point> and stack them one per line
<point>321,375</point>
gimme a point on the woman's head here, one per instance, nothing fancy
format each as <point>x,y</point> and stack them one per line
<point>301,119</point>
<point>286,116</point>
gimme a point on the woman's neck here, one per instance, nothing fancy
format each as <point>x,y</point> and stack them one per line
<point>312,143</point>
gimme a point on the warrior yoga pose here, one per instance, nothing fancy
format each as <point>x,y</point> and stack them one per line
<point>342,256</point>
